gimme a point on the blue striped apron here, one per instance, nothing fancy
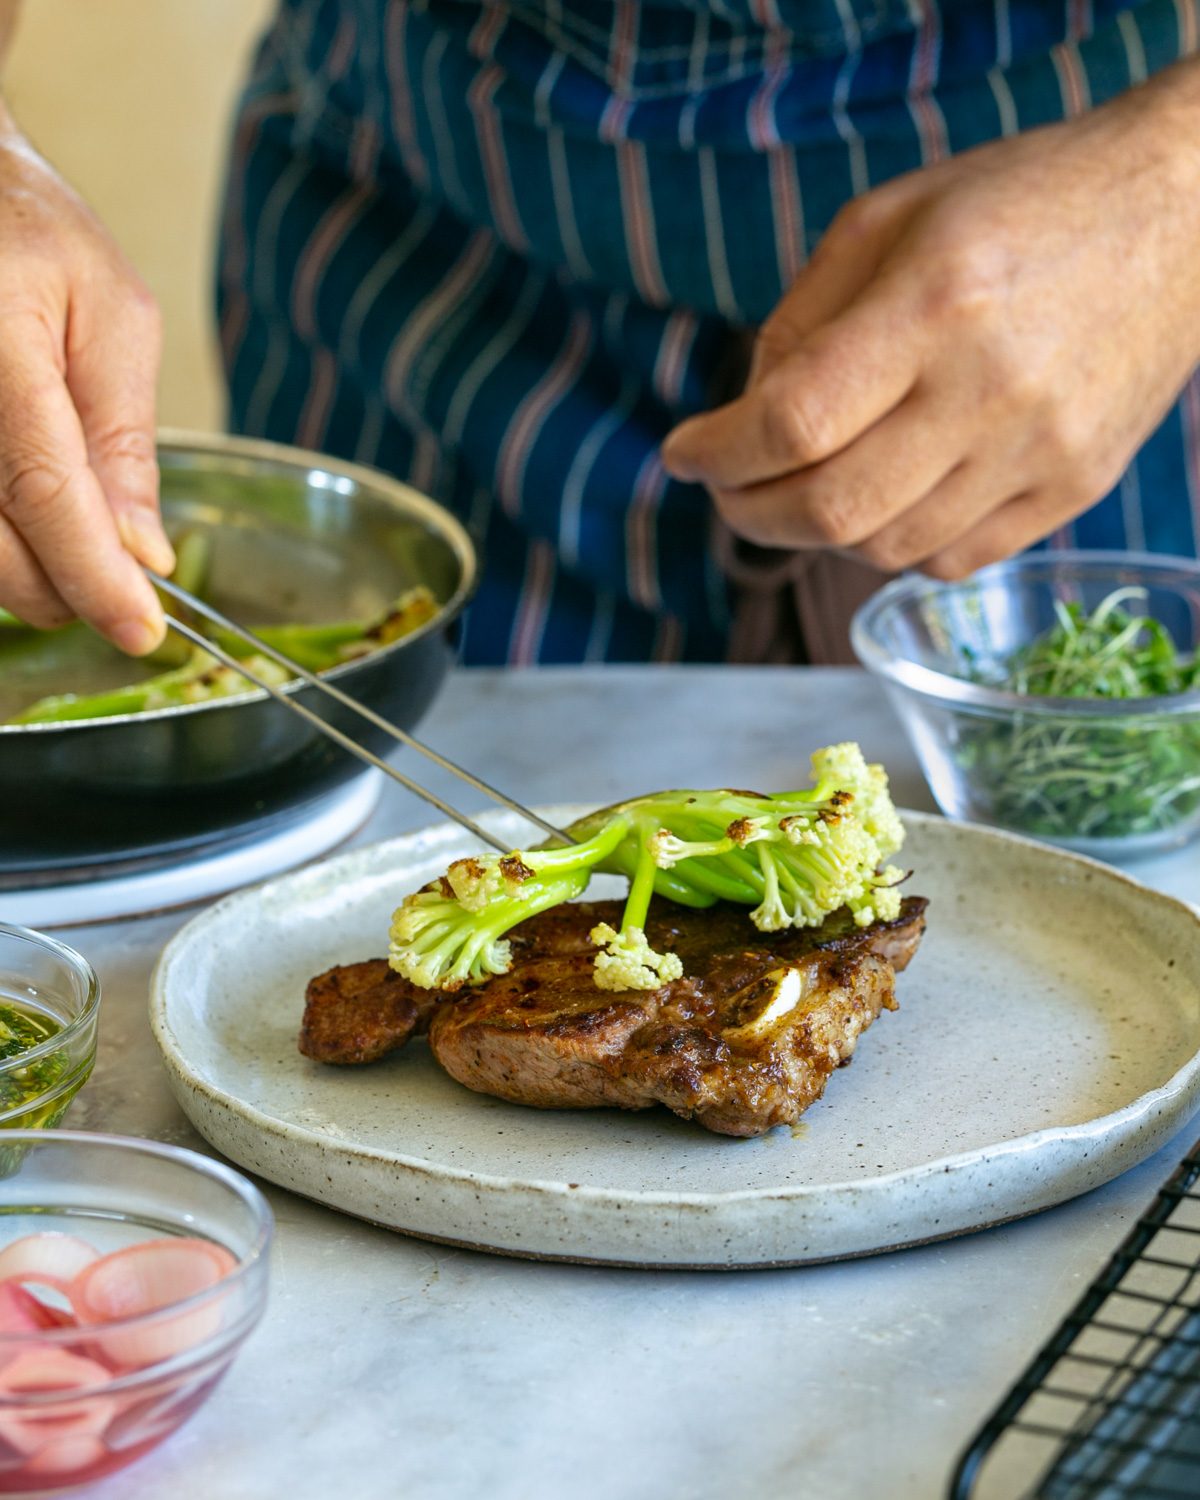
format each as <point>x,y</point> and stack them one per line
<point>500,249</point>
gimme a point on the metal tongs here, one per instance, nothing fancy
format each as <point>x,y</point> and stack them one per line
<point>282,695</point>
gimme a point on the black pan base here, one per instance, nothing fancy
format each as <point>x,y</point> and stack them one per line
<point>113,798</point>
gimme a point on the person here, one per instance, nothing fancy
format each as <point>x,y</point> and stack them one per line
<point>701,312</point>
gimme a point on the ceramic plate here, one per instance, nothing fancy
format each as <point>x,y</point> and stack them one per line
<point>1046,1041</point>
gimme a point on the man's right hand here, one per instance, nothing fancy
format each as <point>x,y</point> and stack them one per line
<point>79,352</point>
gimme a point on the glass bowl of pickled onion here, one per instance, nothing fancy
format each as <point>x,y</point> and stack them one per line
<point>130,1275</point>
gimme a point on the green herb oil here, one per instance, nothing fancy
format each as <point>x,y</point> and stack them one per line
<point>22,1028</point>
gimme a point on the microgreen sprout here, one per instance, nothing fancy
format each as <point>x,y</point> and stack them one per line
<point>1063,776</point>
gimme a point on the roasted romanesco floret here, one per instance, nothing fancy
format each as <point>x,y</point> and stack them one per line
<point>792,857</point>
<point>451,933</point>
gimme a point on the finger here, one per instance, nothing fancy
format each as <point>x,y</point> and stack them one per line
<point>50,496</point>
<point>24,588</point>
<point>838,271</point>
<point>112,372</point>
<point>1024,520</point>
<point>849,498</point>
<point>952,508</point>
<point>839,383</point>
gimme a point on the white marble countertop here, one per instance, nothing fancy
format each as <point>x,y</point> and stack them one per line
<point>386,1367</point>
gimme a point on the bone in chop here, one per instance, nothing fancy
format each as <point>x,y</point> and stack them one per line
<point>745,1040</point>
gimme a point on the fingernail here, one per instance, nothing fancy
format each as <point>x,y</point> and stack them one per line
<point>147,541</point>
<point>137,637</point>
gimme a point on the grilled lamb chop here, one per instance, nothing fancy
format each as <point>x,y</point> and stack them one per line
<point>746,1040</point>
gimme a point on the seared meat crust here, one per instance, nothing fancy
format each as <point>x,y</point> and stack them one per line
<point>544,1035</point>
<point>357,1013</point>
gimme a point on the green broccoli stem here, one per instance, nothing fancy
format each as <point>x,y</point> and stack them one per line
<point>794,857</point>
<point>132,699</point>
<point>641,888</point>
<point>669,885</point>
<point>446,943</point>
<point>453,947</point>
<point>588,853</point>
<point>315,647</point>
<point>621,859</point>
<point>713,877</point>
<point>200,681</point>
<point>320,647</point>
<point>545,893</point>
<point>193,560</point>
<point>723,873</point>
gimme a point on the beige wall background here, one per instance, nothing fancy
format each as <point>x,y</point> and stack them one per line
<point>132,101</point>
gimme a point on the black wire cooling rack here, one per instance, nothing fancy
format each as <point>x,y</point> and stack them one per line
<point>1110,1407</point>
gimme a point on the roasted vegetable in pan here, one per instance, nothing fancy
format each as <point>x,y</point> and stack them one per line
<point>201,678</point>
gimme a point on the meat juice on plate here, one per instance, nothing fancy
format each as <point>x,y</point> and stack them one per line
<point>112,1332</point>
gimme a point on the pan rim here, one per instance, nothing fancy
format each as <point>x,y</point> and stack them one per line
<point>439,521</point>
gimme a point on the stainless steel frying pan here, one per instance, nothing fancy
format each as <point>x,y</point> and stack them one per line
<point>296,536</point>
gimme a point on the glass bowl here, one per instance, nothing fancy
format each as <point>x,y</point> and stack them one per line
<point>79,1401</point>
<point>55,989</point>
<point>1112,778</point>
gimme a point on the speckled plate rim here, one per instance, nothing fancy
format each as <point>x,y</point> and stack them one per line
<point>1112,1143</point>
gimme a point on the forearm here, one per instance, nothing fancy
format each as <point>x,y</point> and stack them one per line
<point>1178,86</point>
<point>1166,114</point>
<point>1154,167</point>
<point>79,349</point>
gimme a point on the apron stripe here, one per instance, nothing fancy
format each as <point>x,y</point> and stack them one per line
<point>714,238</point>
<point>1072,80</point>
<point>330,234</point>
<point>607,424</point>
<point>640,533</point>
<point>535,601</point>
<point>638,212</point>
<point>403,123</point>
<point>235,269</point>
<point>530,416</point>
<point>427,318</point>
<point>927,116</point>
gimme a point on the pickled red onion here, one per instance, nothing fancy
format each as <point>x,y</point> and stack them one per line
<point>145,1277</point>
<point>21,1311</point>
<point>67,1456</point>
<point>148,1278</point>
<point>41,1371</point>
<point>49,1257</point>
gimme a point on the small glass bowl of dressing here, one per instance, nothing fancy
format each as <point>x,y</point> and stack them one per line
<point>49,1003</point>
